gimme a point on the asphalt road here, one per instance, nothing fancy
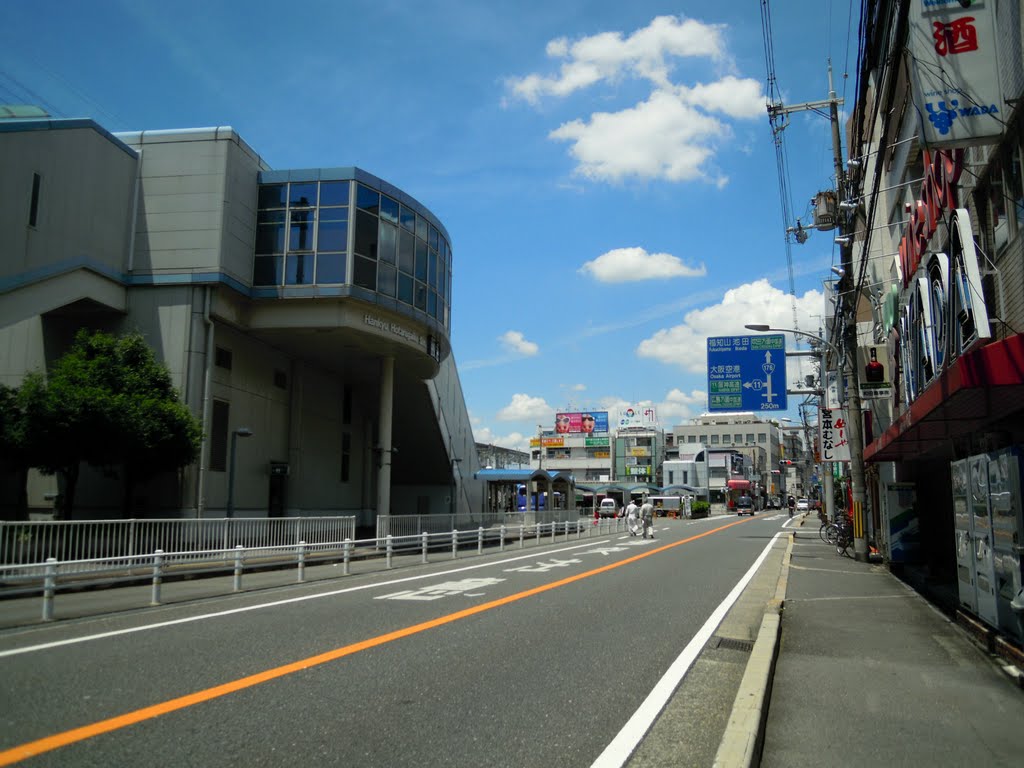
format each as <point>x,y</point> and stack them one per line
<point>561,655</point>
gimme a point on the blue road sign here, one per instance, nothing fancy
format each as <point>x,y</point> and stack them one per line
<point>747,373</point>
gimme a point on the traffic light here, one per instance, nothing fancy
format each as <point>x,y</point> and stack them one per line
<point>785,462</point>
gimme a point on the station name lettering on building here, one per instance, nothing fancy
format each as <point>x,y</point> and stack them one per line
<point>395,328</point>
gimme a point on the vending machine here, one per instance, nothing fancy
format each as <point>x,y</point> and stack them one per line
<point>1004,489</point>
<point>959,472</point>
<point>983,572</point>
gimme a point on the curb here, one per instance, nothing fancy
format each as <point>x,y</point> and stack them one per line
<point>744,734</point>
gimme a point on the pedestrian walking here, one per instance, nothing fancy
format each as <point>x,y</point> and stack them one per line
<point>647,518</point>
<point>631,518</point>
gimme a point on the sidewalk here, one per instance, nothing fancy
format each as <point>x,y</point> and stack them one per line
<point>867,672</point>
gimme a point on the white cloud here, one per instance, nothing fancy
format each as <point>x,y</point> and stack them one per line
<point>623,265</point>
<point>658,138</point>
<point>513,440</point>
<point>759,302</point>
<point>648,53</point>
<point>579,387</point>
<point>526,408</point>
<point>742,98</point>
<point>679,406</point>
<point>514,341</point>
<point>674,134</point>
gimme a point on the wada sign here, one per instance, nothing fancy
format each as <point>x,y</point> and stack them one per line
<point>954,66</point>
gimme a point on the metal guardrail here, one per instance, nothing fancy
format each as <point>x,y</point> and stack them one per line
<point>413,525</point>
<point>51,575</point>
<point>86,540</point>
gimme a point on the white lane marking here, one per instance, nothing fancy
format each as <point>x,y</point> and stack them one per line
<point>621,747</point>
<point>437,591</point>
<point>275,603</point>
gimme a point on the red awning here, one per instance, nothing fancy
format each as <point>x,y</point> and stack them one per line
<point>739,484</point>
<point>979,389</point>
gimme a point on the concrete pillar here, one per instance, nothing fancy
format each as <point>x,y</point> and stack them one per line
<point>387,394</point>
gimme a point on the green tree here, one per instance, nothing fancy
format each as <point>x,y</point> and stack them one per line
<point>13,450</point>
<point>110,404</point>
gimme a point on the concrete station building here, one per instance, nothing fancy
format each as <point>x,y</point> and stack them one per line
<point>310,306</point>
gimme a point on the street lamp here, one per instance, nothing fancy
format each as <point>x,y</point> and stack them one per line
<point>240,432</point>
<point>855,439</point>
<point>761,328</point>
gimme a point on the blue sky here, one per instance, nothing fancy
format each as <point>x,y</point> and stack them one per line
<point>606,170</point>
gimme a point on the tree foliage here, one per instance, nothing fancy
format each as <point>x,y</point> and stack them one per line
<point>108,403</point>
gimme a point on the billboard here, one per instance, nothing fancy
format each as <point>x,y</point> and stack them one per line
<point>638,416</point>
<point>581,422</point>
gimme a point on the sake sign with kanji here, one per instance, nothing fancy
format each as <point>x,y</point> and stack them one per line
<point>834,439</point>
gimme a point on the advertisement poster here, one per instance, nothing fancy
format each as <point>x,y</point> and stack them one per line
<point>875,382</point>
<point>581,422</point>
<point>904,526</point>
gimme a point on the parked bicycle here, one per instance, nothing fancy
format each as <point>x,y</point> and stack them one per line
<point>829,532</point>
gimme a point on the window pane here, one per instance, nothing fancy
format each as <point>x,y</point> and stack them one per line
<point>431,303</point>
<point>408,219</point>
<point>388,209</point>
<point>405,288</point>
<point>271,217</point>
<point>302,194</point>
<point>422,228</point>
<point>332,236</point>
<point>421,260</point>
<point>330,268</point>
<point>333,193</point>
<point>299,269</point>
<point>406,251</point>
<point>368,199</point>
<point>432,270</point>
<point>386,279</point>
<point>271,196</point>
<point>366,234</point>
<point>433,237</point>
<point>388,242</point>
<point>270,238</point>
<point>421,296</point>
<point>300,235</point>
<point>267,270</point>
<point>364,273</point>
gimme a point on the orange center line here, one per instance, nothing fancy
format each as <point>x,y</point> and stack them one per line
<point>64,738</point>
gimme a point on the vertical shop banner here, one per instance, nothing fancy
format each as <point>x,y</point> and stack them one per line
<point>832,434</point>
<point>955,74</point>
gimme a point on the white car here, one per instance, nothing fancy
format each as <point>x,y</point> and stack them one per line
<point>803,505</point>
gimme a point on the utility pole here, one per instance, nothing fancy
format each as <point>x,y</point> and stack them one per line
<point>848,308</point>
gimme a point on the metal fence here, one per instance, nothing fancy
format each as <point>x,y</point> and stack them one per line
<point>49,575</point>
<point>413,525</point>
<point>96,540</point>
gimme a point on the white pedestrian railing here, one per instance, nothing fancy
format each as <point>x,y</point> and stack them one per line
<point>413,525</point>
<point>84,540</point>
<point>49,575</point>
